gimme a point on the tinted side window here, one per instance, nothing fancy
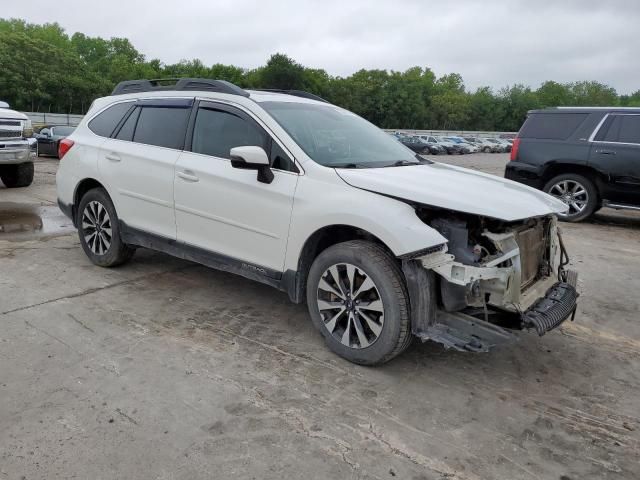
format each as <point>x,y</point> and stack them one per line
<point>609,130</point>
<point>127,129</point>
<point>551,126</point>
<point>280,160</point>
<point>106,122</point>
<point>216,132</point>
<point>162,126</point>
<point>629,129</point>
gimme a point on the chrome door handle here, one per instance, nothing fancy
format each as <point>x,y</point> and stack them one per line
<point>113,157</point>
<point>188,176</point>
<point>606,152</point>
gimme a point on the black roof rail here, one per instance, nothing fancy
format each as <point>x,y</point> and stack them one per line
<point>295,93</point>
<point>180,84</point>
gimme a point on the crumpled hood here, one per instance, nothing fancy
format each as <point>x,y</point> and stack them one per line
<point>456,188</point>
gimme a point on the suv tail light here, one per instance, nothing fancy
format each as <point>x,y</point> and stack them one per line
<point>514,148</point>
<point>64,146</point>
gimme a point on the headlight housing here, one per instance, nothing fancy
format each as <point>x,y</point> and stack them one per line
<point>27,129</point>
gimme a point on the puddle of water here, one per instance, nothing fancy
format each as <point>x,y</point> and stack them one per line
<point>26,222</point>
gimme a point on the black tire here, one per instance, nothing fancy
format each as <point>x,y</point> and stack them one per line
<point>592,199</point>
<point>395,334</point>
<point>15,176</point>
<point>117,252</point>
<point>486,149</point>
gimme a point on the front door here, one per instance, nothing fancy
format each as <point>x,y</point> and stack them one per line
<point>226,210</point>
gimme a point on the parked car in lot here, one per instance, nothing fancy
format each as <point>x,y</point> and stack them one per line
<point>49,138</point>
<point>506,144</point>
<point>419,145</point>
<point>414,144</point>
<point>434,147</point>
<point>466,147</point>
<point>482,144</point>
<point>286,189</point>
<point>498,146</point>
<point>451,147</point>
<point>17,148</point>
<point>588,158</point>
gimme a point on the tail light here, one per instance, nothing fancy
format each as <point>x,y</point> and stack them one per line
<point>514,148</point>
<point>64,146</point>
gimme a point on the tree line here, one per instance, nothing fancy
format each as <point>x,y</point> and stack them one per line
<point>43,69</point>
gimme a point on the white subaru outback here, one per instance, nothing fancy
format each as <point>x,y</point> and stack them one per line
<point>286,189</point>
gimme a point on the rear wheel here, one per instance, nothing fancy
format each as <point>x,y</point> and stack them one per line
<point>358,301</point>
<point>14,176</point>
<point>99,230</point>
<point>577,192</point>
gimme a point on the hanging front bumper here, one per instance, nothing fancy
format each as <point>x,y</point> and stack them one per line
<point>558,304</point>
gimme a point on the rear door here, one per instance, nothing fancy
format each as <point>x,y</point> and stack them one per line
<point>138,163</point>
<point>615,152</point>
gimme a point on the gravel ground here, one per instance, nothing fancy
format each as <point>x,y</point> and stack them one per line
<point>168,370</point>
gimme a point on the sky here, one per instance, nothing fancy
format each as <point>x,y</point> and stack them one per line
<point>489,42</point>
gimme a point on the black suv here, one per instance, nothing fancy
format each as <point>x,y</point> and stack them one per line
<point>587,157</point>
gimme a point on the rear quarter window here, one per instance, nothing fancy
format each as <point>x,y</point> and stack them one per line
<point>105,122</point>
<point>551,126</point>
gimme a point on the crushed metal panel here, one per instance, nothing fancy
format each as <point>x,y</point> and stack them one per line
<point>465,333</point>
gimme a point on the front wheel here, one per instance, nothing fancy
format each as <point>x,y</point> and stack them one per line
<point>358,301</point>
<point>99,230</point>
<point>577,192</point>
<point>15,176</point>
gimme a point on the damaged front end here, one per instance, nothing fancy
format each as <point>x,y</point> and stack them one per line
<point>492,278</point>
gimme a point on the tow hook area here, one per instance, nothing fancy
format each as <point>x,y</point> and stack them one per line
<point>555,307</point>
<point>466,333</point>
<point>454,330</point>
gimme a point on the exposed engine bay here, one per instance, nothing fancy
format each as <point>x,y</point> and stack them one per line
<point>493,270</point>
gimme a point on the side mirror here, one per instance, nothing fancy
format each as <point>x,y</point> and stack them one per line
<point>252,158</point>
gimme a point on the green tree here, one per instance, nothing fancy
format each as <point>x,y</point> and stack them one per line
<point>58,72</point>
<point>282,72</point>
<point>593,94</point>
<point>515,102</point>
<point>554,94</point>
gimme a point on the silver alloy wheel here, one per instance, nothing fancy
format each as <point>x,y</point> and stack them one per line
<point>571,193</point>
<point>350,305</point>
<point>96,227</point>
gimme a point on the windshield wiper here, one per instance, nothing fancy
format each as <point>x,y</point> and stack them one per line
<point>345,165</point>
<point>402,163</point>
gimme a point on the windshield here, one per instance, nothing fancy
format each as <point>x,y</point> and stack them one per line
<point>63,131</point>
<point>335,137</point>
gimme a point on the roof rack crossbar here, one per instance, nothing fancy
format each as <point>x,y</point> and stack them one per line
<point>296,93</point>
<point>180,84</point>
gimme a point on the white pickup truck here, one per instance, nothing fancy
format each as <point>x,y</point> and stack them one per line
<point>18,148</point>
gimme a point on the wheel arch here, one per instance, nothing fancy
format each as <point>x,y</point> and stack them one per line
<point>295,282</point>
<point>559,168</point>
<point>81,189</point>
